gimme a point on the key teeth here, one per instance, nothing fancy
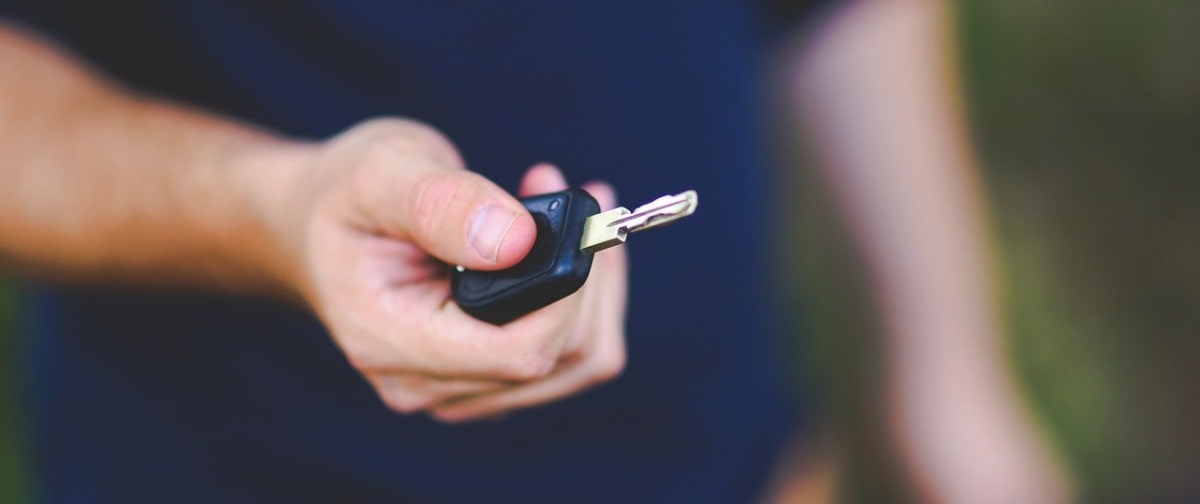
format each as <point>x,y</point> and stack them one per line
<point>661,211</point>
<point>661,220</point>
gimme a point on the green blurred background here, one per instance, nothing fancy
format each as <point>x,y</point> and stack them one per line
<point>1087,117</point>
<point>1086,114</point>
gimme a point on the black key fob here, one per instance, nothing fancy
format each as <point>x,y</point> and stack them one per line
<point>554,268</point>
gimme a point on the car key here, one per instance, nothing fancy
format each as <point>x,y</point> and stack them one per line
<point>570,228</point>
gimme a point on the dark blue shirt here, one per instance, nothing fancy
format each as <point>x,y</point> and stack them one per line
<point>170,397</point>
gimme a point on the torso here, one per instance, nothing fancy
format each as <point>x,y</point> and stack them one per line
<point>145,396</point>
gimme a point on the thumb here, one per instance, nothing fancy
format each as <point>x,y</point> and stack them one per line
<point>460,217</point>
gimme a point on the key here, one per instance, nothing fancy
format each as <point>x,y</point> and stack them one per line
<point>609,228</point>
<point>570,229</point>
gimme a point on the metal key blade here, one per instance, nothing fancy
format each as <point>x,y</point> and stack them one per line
<point>659,212</point>
<point>610,228</point>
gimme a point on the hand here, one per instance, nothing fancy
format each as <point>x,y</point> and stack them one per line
<point>595,349</point>
<point>382,207</point>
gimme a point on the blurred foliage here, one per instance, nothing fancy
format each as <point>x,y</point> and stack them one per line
<point>1087,117</point>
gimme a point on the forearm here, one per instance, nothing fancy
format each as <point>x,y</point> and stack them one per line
<point>879,87</point>
<point>99,184</point>
<point>877,90</point>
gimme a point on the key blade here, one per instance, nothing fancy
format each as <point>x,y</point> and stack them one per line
<point>610,228</point>
<point>599,232</point>
<point>659,212</point>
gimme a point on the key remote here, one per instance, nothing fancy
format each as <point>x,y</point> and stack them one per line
<point>570,228</point>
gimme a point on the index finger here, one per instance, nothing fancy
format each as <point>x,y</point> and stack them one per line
<point>455,344</point>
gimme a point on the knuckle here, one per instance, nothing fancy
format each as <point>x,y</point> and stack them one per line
<point>432,143</point>
<point>529,367</point>
<point>413,135</point>
<point>386,153</point>
<point>362,357</point>
<point>379,361</point>
<point>376,164</point>
<point>405,402</point>
<point>361,363</point>
<point>525,350</point>
<point>381,127</point>
<point>609,367</point>
<point>433,195</point>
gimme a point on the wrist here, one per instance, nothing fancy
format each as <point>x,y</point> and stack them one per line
<point>270,178</point>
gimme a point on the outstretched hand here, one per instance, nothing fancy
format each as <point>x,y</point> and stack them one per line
<point>382,208</point>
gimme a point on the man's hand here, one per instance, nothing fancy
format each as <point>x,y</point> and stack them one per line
<point>101,185</point>
<point>382,209</point>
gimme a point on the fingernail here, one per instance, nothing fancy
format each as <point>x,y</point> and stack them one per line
<point>488,228</point>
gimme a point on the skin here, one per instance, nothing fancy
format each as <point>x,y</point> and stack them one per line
<point>877,86</point>
<point>94,176</point>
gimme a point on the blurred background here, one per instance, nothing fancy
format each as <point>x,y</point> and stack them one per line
<point>1086,114</point>
<point>1087,119</point>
